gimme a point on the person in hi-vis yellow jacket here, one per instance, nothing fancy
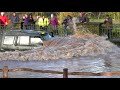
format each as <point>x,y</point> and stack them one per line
<point>43,22</point>
<point>40,22</point>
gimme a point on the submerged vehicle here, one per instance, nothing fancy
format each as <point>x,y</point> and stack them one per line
<point>22,39</point>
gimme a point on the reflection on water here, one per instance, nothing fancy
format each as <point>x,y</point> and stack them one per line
<point>82,64</point>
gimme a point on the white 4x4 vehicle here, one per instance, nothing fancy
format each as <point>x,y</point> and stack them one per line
<point>22,39</point>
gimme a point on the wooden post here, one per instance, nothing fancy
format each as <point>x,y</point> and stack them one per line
<point>5,72</point>
<point>65,73</point>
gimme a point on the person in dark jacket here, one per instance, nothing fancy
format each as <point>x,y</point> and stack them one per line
<point>66,22</point>
<point>14,20</point>
<point>25,22</point>
<point>30,19</point>
<point>23,19</point>
<point>108,25</point>
<point>83,18</point>
<point>31,22</point>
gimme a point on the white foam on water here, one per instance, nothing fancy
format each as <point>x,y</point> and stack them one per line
<point>64,48</point>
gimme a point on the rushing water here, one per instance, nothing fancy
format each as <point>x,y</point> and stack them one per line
<point>86,54</point>
<point>82,64</point>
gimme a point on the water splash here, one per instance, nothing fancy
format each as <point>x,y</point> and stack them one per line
<point>64,48</point>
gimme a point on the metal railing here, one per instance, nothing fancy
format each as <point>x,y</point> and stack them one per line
<point>59,31</point>
<point>112,31</point>
<point>18,26</point>
<point>92,27</point>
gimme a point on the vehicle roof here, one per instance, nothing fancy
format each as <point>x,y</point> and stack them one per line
<point>22,33</point>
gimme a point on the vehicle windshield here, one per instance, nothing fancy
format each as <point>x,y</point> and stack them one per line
<point>46,36</point>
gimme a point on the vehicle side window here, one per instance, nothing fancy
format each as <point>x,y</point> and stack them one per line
<point>35,40</point>
<point>23,40</point>
<point>9,40</point>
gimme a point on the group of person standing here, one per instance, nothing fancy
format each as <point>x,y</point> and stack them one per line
<point>68,22</point>
<point>27,22</point>
<point>43,22</point>
<point>4,20</point>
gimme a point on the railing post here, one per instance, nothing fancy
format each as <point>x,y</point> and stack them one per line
<point>5,72</point>
<point>65,73</point>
